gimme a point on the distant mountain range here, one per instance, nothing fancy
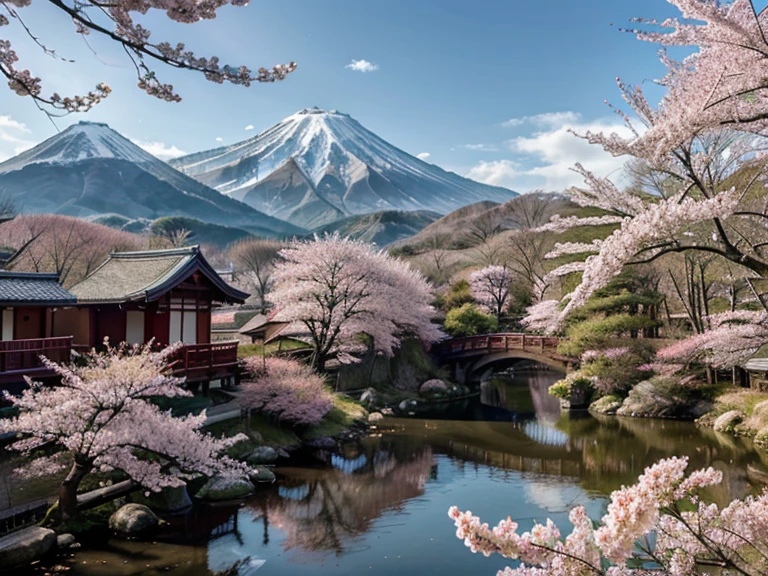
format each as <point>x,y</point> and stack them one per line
<point>315,170</point>
<point>89,170</point>
<point>318,166</point>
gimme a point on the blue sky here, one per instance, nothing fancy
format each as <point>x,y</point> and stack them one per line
<point>486,88</point>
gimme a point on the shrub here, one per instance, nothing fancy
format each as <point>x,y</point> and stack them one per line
<point>469,321</point>
<point>564,388</point>
<point>286,390</point>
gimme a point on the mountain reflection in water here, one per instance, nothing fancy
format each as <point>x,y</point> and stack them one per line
<point>379,506</point>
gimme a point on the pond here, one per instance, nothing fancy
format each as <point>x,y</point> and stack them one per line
<point>379,507</point>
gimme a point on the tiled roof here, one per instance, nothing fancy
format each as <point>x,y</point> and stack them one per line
<point>147,275</point>
<point>255,323</point>
<point>757,365</point>
<point>19,288</point>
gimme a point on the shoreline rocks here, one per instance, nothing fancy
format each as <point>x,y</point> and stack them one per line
<point>133,521</point>
<point>221,488</point>
<point>23,547</point>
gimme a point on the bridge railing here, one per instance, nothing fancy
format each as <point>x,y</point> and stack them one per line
<point>497,342</point>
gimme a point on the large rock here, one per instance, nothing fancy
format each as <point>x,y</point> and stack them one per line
<point>606,405</point>
<point>25,546</point>
<point>172,499</point>
<point>374,417</point>
<point>64,541</point>
<point>133,520</point>
<point>651,399</point>
<point>221,488</point>
<point>434,387</point>
<point>263,455</point>
<point>262,474</point>
<point>728,421</point>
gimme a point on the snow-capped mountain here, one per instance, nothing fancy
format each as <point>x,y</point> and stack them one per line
<point>90,169</point>
<point>317,166</point>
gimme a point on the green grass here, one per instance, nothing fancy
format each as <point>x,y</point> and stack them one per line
<point>271,433</point>
<point>257,349</point>
<point>342,416</point>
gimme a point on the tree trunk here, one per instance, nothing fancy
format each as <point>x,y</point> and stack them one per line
<point>318,363</point>
<point>68,490</point>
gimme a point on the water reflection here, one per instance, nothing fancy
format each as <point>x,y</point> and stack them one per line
<point>326,509</point>
<point>379,506</point>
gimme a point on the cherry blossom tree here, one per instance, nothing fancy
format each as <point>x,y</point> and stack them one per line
<point>286,390</point>
<point>67,246</point>
<point>723,83</point>
<point>490,287</point>
<point>708,128</point>
<point>101,418</point>
<point>732,339</point>
<point>691,536</point>
<point>116,22</point>
<point>340,289</point>
<point>543,317</point>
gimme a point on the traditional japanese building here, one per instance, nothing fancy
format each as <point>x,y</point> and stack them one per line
<point>31,306</point>
<point>165,295</point>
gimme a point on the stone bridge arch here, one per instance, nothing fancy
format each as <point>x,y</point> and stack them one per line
<point>467,356</point>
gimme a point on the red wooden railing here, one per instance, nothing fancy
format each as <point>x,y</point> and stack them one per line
<point>206,359</point>
<point>498,342</point>
<point>17,355</point>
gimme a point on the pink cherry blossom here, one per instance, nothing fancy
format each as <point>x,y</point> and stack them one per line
<point>490,287</point>
<point>118,25</point>
<point>102,417</point>
<point>287,390</point>
<point>690,535</point>
<point>340,289</point>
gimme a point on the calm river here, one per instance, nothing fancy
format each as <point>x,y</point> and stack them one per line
<point>380,506</point>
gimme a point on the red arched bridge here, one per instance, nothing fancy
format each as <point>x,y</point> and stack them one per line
<point>470,354</point>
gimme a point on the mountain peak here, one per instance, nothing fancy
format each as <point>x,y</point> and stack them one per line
<point>89,123</point>
<point>327,164</point>
<point>82,141</point>
<point>320,112</point>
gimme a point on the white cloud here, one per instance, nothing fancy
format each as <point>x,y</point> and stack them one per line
<point>8,122</point>
<point>496,173</point>
<point>545,119</point>
<point>12,139</point>
<point>362,66</point>
<point>423,155</point>
<point>249,127</point>
<point>481,147</point>
<point>160,149</point>
<point>544,158</point>
<point>219,139</point>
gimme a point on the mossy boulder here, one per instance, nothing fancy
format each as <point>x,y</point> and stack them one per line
<point>262,474</point>
<point>263,455</point>
<point>133,521</point>
<point>220,488</point>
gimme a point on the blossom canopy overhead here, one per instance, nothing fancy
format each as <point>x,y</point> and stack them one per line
<point>115,21</point>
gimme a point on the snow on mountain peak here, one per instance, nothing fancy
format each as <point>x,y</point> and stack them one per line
<point>347,168</point>
<point>82,141</point>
